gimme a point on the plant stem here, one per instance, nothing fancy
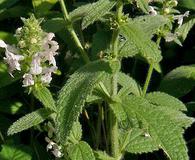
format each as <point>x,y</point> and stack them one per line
<point>112,118</point>
<point>73,33</point>
<point>98,135</point>
<point>149,75</point>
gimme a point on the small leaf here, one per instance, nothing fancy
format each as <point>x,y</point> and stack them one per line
<point>81,151</point>
<point>10,107</point>
<point>28,121</point>
<point>144,46</point>
<point>99,155</point>
<point>143,5</point>
<point>96,11</point>
<point>45,97</point>
<point>179,81</point>
<point>75,133</point>
<point>183,31</point>
<point>73,95</point>
<point>19,152</point>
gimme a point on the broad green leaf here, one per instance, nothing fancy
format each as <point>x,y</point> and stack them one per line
<point>81,151</point>
<point>29,121</point>
<point>137,141</point>
<point>99,155</point>
<point>190,4</point>
<point>41,7</point>
<point>179,81</point>
<point>19,152</point>
<point>183,31</point>
<point>165,101</point>
<point>10,107</point>
<point>53,25</point>
<point>158,125</point>
<point>7,3</point>
<point>144,46</point>
<point>129,85</point>
<point>45,97</point>
<point>96,11</point>
<point>80,12</point>
<point>143,5</point>
<point>73,95</point>
<point>75,133</point>
<point>7,37</point>
<point>6,79</point>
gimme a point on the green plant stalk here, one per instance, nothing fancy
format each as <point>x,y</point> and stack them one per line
<point>98,135</point>
<point>114,140</point>
<point>148,78</point>
<point>73,33</point>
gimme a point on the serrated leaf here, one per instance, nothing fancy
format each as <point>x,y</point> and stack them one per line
<point>73,95</point>
<point>144,46</point>
<point>19,152</point>
<point>143,5</point>
<point>75,133</point>
<point>183,31</point>
<point>29,121</point>
<point>45,97</point>
<point>80,12</point>
<point>129,85</point>
<point>96,11</point>
<point>81,151</point>
<point>179,81</point>
<point>165,133</point>
<point>190,4</point>
<point>173,105</point>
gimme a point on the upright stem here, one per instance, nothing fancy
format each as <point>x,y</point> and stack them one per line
<point>112,118</point>
<point>149,75</point>
<point>72,32</point>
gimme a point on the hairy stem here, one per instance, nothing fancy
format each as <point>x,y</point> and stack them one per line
<point>73,33</point>
<point>149,75</point>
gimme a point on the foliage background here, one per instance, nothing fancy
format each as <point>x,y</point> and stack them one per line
<point>14,102</point>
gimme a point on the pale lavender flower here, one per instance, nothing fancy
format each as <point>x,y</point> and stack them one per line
<point>10,58</point>
<point>180,18</point>
<point>36,68</point>
<point>57,153</point>
<point>152,11</point>
<point>46,77</point>
<point>28,80</point>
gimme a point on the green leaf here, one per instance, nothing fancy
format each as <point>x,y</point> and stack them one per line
<point>165,133</point>
<point>7,3</point>
<point>81,151</point>
<point>173,105</point>
<point>41,7</point>
<point>6,79</point>
<point>75,133</point>
<point>53,25</point>
<point>80,12</point>
<point>129,85</point>
<point>179,81</point>
<point>7,37</point>
<point>96,11</point>
<point>73,95</point>
<point>144,46</point>
<point>99,155</point>
<point>183,31</point>
<point>45,97</point>
<point>190,4</point>
<point>29,121</point>
<point>143,5</point>
<point>20,152</point>
<point>10,107</point>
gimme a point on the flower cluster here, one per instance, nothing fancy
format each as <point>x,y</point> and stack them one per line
<point>55,149</point>
<point>34,54</point>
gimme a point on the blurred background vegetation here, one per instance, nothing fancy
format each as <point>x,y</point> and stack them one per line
<point>14,102</point>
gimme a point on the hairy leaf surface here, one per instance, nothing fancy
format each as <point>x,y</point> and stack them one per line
<point>96,11</point>
<point>179,81</point>
<point>74,94</point>
<point>29,121</point>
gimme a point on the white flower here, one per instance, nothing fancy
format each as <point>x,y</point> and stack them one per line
<point>57,153</point>
<point>46,77</point>
<point>152,11</point>
<point>180,18</point>
<point>28,80</point>
<point>10,58</point>
<point>36,68</point>
<point>50,145</point>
